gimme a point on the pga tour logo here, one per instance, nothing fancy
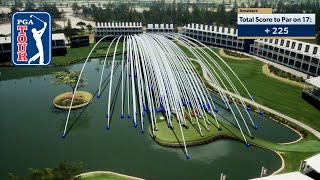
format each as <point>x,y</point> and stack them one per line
<point>31,38</point>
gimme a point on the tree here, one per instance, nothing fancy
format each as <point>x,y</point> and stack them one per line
<point>81,24</point>
<point>69,31</point>
<point>66,170</point>
<point>75,8</point>
<point>69,78</point>
<point>89,27</point>
<point>30,5</point>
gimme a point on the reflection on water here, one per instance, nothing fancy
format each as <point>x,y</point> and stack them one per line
<point>31,128</point>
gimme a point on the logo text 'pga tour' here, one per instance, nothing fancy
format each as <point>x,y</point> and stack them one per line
<point>31,38</point>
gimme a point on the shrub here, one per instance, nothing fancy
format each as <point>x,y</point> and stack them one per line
<point>284,74</point>
<point>235,54</point>
<point>67,102</point>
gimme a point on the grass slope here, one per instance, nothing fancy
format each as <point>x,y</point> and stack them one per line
<point>270,92</point>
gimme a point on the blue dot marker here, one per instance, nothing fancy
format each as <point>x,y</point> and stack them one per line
<point>137,113</point>
<point>255,127</point>
<point>142,114</point>
<point>135,125</point>
<point>63,136</point>
<point>171,116</point>
<point>142,130</point>
<point>107,127</point>
<point>135,75</point>
<point>261,113</point>
<point>145,109</point>
<point>142,122</point>
<point>98,96</point>
<point>216,110</point>
<point>122,116</point>
<point>129,115</point>
<point>189,102</point>
<point>107,115</point>
<point>184,104</point>
<point>160,98</point>
<point>248,145</point>
<point>252,97</point>
<point>169,126</point>
<point>248,109</point>
<point>187,157</point>
<point>129,75</point>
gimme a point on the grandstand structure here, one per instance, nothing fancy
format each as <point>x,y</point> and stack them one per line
<point>298,55</point>
<point>160,28</point>
<point>58,43</point>
<point>5,49</point>
<point>114,29</point>
<point>215,35</point>
<point>312,95</point>
<point>302,56</point>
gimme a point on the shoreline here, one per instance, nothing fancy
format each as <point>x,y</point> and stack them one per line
<point>107,172</point>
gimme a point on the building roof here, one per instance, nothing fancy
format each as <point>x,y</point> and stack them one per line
<point>4,40</point>
<point>58,36</point>
<point>286,176</point>
<point>160,26</point>
<point>314,161</point>
<point>118,24</point>
<point>315,82</point>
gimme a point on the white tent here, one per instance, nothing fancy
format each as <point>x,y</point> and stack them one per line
<point>287,176</point>
<point>314,81</point>
<point>314,162</point>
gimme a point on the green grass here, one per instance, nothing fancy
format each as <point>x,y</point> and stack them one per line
<point>295,159</point>
<point>82,52</point>
<point>275,94</point>
<point>293,154</point>
<point>312,41</point>
<point>103,176</point>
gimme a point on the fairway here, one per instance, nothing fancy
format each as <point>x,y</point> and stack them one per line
<point>267,91</point>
